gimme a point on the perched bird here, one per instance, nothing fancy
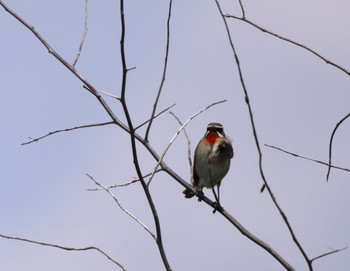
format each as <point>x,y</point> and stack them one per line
<point>212,160</point>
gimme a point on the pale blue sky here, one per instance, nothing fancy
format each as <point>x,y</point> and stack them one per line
<point>296,98</point>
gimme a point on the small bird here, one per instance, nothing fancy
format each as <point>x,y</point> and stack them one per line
<point>212,160</point>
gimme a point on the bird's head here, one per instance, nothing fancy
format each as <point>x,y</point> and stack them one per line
<point>215,131</point>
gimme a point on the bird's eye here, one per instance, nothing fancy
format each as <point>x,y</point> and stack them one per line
<point>219,130</point>
<point>216,129</point>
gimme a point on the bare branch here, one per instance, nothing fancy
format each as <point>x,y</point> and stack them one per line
<point>84,34</point>
<point>67,130</point>
<point>161,112</point>
<point>64,248</point>
<point>284,217</point>
<point>331,144</point>
<point>121,207</point>
<point>328,253</point>
<point>109,95</point>
<point>133,137</point>
<point>189,155</point>
<point>164,72</point>
<point>307,158</point>
<point>116,185</point>
<point>177,133</point>
<point>243,19</point>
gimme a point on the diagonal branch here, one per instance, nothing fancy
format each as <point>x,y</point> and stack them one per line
<point>243,19</point>
<point>164,72</point>
<point>64,248</point>
<point>331,144</point>
<point>307,158</point>
<point>67,130</point>
<point>328,253</point>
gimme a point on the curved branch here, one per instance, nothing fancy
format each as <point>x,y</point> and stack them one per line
<point>242,8</point>
<point>252,122</point>
<point>331,144</point>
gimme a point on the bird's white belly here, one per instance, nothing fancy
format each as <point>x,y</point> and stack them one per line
<point>211,174</point>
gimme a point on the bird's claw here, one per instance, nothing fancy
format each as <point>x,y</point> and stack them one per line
<point>200,195</point>
<point>217,207</point>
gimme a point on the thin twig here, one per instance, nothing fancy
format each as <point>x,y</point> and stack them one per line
<point>189,152</point>
<point>328,253</point>
<point>115,186</point>
<point>109,95</point>
<point>242,8</point>
<point>284,217</point>
<point>84,34</point>
<point>176,135</point>
<point>67,130</point>
<point>331,144</point>
<point>308,158</point>
<point>243,19</point>
<point>64,248</point>
<point>164,72</point>
<point>135,180</point>
<point>122,208</point>
<point>161,112</point>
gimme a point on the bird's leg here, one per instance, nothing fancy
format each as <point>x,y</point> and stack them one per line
<point>216,205</point>
<point>218,187</point>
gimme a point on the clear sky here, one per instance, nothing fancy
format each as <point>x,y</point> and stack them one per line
<point>296,98</point>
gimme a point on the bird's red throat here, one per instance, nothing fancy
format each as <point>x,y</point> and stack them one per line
<point>212,137</point>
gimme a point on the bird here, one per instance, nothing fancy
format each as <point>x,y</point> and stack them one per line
<point>212,159</point>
